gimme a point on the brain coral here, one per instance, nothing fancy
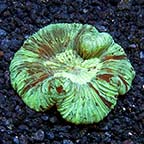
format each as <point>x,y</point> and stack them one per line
<point>74,67</point>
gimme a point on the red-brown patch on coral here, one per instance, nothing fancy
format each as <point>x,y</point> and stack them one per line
<point>106,102</point>
<point>59,89</point>
<point>124,81</point>
<point>1,53</point>
<point>114,57</point>
<point>43,77</point>
<point>105,77</point>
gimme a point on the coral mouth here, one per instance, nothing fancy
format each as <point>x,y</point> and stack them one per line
<point>71,66</point>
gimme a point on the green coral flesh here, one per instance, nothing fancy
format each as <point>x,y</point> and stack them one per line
<point>74,67</point>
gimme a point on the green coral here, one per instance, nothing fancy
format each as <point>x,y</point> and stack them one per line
<point>74,67</point>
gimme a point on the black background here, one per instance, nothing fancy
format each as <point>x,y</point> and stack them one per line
<point>124,20</point>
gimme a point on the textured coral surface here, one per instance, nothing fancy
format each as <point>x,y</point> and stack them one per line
<point>123,20</point>
<point>74,67</point>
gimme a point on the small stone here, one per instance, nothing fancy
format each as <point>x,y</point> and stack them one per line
<point>67,142</point>
<point>50,135</point>
<point>85,10</point>
<point>124,4</point>
<point>95,2</point>
<point>84,139</point>
<point>44,0</point>
<point>1,87</point>
<point>130,134</point>
<point>2,97</point>
<point>44,117</point>
<point>141,46</point>
<point>8,56</point>
<point>23,139</point>
<point>105,128</point>
<point>3,7</point>
<point>124,109</point>
<point>16,140</point>
<point>142,54</point>
<point>15,44</point>
<point>5,43</point>
<point>140,20</point>
<point>107,134</point>
<point>12,44</point>
<point>39,135</point>
<point>101,28</point>
<point>133,46</point>
<point>2,32</point>
<point>26,36</point>
<point>6,75</point>
<point>2,129</point>
<point>128,142</point>
<point>23,127</point>
<point>141,116</point>
<point>53,119</point>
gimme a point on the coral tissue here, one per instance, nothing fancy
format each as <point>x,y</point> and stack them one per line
<point>74,67</point>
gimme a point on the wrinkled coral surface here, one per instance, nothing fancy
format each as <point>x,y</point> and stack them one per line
<point>74,67</point>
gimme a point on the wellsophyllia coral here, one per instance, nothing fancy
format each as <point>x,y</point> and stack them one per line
<point>74,67</point>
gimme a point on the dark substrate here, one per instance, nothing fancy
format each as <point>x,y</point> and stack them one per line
<point>123,20</point>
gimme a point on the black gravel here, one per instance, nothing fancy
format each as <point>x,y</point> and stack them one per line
<point>124,20</point>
